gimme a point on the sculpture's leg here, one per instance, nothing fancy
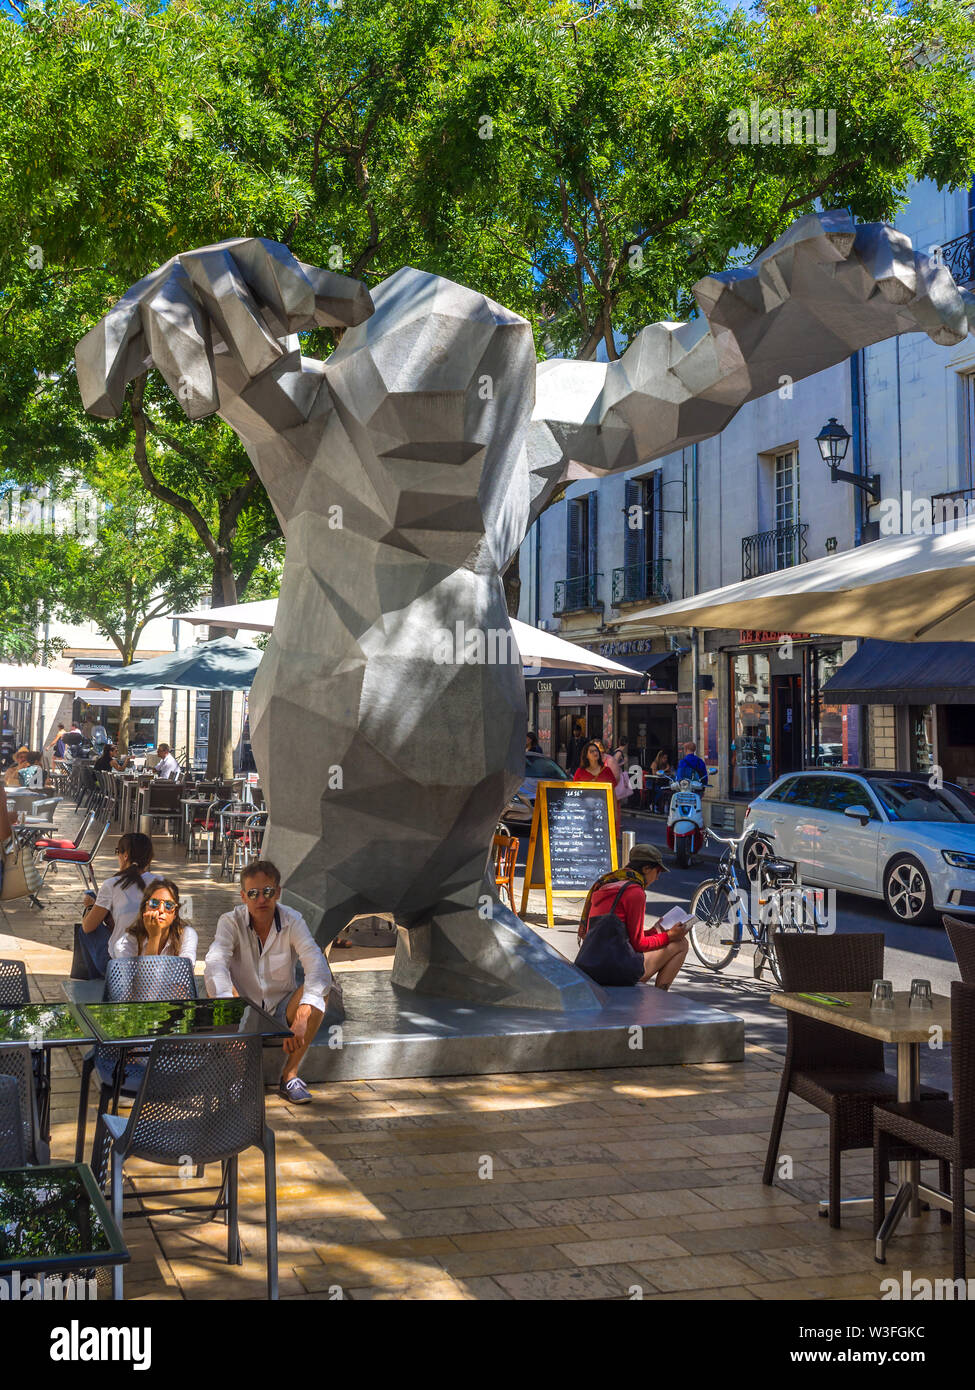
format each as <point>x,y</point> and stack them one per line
<point>473,947</point>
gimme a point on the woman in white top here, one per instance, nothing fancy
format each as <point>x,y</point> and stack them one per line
<point>118,898</point>
<point>158,929</point>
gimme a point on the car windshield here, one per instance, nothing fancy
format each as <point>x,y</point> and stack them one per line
<point>545,770</point>
<point>905,800</point>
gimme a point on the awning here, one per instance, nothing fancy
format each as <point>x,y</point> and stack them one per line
<point>898,673</point>
<point>111,699</point>
<point>549,680</point>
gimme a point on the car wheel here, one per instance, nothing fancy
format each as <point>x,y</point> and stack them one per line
<point>907,891</point>
<point>753,851</point>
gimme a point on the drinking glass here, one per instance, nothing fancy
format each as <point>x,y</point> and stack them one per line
<point>882,995</point>
<point>921,994</point>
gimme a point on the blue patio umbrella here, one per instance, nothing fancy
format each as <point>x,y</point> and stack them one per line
<point>219,665</point>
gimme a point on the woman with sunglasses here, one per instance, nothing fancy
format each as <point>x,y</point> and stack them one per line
<point>592,768</point>
<point>158,929</point>
<point>109,913</point>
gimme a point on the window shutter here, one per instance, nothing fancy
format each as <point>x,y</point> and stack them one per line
<point>573,544</point>
<point>593,533</point>
<point>655,521</point>
<point>634,539</point>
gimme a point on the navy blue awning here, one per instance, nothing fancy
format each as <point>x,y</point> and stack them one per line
<point>905,673</point>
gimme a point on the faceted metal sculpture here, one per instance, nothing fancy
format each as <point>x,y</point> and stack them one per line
<point>406,470</point>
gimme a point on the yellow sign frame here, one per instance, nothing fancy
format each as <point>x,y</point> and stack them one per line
<point>540,820</point>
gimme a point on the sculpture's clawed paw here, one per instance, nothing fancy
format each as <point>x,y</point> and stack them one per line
<point>244,297</point>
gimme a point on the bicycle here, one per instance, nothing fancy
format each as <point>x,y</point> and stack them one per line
<point>723,908</point>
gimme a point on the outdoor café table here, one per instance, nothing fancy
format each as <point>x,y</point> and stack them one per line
<point>43,1026</point>
<point>139,1024</point>
<point>53,1219</point>
<point>908,1028</point>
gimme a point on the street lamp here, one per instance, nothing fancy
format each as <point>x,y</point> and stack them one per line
<point>833,441</point>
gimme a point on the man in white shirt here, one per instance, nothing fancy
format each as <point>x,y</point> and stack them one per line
<point>167,766</point>
<point>253,955</point>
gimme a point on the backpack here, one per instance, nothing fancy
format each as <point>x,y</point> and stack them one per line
<point>606,954</point>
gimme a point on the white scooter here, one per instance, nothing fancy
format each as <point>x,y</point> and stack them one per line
<point>685,821</point>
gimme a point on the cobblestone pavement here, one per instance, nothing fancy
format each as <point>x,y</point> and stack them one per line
<point>621,1184</point>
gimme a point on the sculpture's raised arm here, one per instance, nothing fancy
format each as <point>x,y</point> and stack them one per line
<point>826,288</point>
<point>245,298</point>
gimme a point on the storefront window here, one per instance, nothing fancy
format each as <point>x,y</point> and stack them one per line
<point>835,728</point>
<point>922,724</point>
<point>142,722</point>
<point>751,747</point>
<point>18,713</point>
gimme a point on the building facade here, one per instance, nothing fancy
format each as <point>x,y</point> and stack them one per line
<point>753,499</point>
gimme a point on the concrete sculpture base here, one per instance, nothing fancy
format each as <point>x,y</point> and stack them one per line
<point>391,1032</point>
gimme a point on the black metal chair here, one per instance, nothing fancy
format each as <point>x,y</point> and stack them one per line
<point>838,1072</point>
<point>17,1062</point>
<point>13,1153</point>
<point>962,937</point>
<point>14,990</point>
<point>939,1128</point>
<point>145,979</point>
<point>203,1098</point>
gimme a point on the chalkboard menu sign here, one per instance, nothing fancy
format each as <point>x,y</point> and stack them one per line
<point>573,840</point>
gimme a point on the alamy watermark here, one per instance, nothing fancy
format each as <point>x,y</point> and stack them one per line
<point>771,125</point>
<point>47,1288</point>
<point>36,514</point>
<point>476,646</point>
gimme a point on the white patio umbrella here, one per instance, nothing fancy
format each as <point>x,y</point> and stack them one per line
<point>900,589</point>
<point>40,678</point>
<point>537,648</point>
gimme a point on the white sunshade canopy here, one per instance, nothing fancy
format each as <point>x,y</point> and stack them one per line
<point>40,678</point>
<point>537,648</point>
<point>899,589</point>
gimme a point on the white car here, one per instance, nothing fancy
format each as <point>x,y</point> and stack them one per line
<point>888,835</point>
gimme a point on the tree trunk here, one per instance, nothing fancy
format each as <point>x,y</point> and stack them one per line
<point>220,747</point>
<point>124,716</point>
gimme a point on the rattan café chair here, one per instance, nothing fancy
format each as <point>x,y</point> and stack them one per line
<point>939,1128</point>
<point>838,1072</point>
<point>962,937</point>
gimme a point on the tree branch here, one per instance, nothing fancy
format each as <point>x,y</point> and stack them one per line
<point>254,552</point>
<point>158,489</point>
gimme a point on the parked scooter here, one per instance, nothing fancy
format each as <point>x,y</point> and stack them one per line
<point>685,821</point>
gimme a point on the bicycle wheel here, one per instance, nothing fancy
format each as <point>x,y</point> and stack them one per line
<point>716,935</point>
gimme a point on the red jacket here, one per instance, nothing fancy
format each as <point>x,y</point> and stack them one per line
<point>631,908</point>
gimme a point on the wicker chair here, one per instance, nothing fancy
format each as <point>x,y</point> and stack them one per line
<point>943,1129</point>
<point>962,937</point>
<point>17,1062</point>
<point>12,1151</point>
<point>146,979</point>
<point>203,1097</point>
<point>838,1072</point>
<point>14,990</point>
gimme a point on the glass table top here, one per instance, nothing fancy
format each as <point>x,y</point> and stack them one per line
<point>41,1024</point>
<point>196,1018</point>
<point>55,1214</point>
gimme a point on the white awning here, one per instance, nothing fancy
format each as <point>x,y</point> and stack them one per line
<point>110,699</point>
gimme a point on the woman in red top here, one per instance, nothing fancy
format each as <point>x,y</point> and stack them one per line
<point>663,952</point>
<point>592,768</point>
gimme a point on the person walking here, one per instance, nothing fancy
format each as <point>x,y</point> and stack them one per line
<point>573,754</point>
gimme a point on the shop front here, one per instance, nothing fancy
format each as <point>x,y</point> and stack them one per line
<point>929,690</point>
<point>779,718</point>
<point>102,707</point>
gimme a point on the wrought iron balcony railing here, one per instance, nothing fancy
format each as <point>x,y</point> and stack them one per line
<point>646,581</point>
<point>953,508</point>
<point>576,593</point>
<point>959,257</point>
<point>768,551</point>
